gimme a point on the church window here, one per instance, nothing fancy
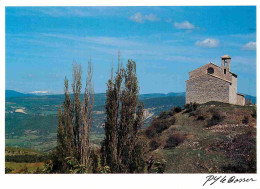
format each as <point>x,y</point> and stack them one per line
<point>210,70</point>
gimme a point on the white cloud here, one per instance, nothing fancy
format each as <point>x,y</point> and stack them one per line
<point>250,46</point>
<point>209,42</point>
<point>139,18</point>
<point>184,25</point>
<point>39,92</point>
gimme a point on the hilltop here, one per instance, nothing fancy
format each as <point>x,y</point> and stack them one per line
<point>213,137</point>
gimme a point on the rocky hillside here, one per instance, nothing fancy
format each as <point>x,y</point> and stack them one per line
<point>209,138</point>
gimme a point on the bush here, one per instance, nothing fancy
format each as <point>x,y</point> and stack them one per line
<point>8,170</point>
<point>160,125</point>
<point>215,118</point>
<point>201,118</point>
<point>191,107</point>
<point>254,113</point>
<point>154,145</point>
<point>174,140</point>
<point>159,166</point>
<point>175,110</point>
<point>163,115</point>
<point>157,126</point>
<point>150,133</point>
<point>245,120</point>
<point>172,121</point>
<point>156,165</point>
<point>26,158</point>
<point>242,151</point>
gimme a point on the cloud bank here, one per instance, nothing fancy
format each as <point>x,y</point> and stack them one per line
<point>209,42</point>
<point>140,18</point>
<point>183,25</point>
<point>250,46</point>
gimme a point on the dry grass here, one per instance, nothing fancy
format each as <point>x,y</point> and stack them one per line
<point>213,149</point>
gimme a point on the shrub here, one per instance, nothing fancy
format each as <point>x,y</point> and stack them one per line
<point>26,158</point>
<point>150,133</point>
<point>154,145</point>
<point>174,140</point>
<point>201,118</point>
<point>163,115</point>
<point>161,125</point>
<point>254,113</point>
<point>215,118</point>
<point>245,120</point>
<point>157,126</point>
<point>191,107</point>
<point>156,165</point>
<point>242,151</point>
<point>175,110</point>
<point>172,121</point>
<point>159,166</point>
<point>8,170</point>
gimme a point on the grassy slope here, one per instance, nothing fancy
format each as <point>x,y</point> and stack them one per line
<point>229,146</point>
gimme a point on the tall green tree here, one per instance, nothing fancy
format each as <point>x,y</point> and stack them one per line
<point>75,122</point>
<point>124,119</point>
<point>113,93</point>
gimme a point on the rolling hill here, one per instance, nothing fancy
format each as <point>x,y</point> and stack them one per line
<point>31,120</point>
<point>12,93</point>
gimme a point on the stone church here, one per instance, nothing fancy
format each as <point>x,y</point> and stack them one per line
<point>213,83</point>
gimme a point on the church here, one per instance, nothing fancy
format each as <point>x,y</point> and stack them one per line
<point>213,83</point>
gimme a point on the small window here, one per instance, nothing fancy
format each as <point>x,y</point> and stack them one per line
<point>225,71</point>
<point>210,70</point>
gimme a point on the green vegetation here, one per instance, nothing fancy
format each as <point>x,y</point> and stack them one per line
<point>221,142</point>
<point>38,128</point>
<point>122,150</point>
<point>22,160</point>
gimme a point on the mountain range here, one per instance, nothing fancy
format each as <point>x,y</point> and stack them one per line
<point>12,93</point>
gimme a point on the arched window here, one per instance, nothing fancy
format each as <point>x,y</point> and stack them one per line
<point>210,70</point>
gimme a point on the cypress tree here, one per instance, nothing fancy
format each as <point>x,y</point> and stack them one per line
<point>75,122</point>
<point>120,149</point>
<point>109,145</point>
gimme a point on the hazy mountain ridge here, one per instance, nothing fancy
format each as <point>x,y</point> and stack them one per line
<point>12,93</point>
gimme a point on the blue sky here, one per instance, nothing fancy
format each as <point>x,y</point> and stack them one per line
<point>165,42</point>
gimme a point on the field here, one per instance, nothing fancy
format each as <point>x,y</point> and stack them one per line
<point>22,160</point>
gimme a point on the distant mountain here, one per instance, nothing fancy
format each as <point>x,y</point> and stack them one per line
<point>252,98</point>
<point>12,93</point>
<point>176,94</point>
<point>159,95</point>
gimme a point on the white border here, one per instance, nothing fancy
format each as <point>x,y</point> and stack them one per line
<point>138,181</point>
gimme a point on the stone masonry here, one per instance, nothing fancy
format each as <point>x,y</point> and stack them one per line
<point>213,83</point>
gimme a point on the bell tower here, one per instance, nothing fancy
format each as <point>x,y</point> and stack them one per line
<point>225,63</point>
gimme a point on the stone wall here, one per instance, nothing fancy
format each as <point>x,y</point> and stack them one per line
<point>218,72</point>
<point>233,91</point>
<point>207,88</point>
<point>241,100</point>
